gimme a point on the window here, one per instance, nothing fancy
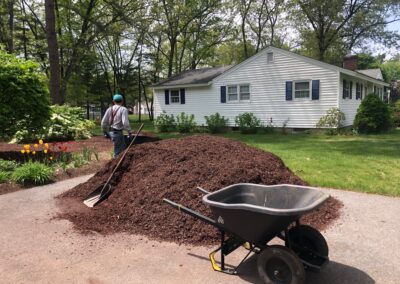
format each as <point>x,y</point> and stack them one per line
<point>346,89</point>
<point>232,93</point>
<point>244,92</point>
<point>239,92</point>
<point>359,90</point>
<point>270,57</point>
<point>302,89</point>
<point>175,98</point>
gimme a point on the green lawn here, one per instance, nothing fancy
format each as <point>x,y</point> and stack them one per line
<point>367,163</point>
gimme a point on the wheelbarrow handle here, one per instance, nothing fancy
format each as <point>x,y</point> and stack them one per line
<point>191,212</point>
<point>202,190</point>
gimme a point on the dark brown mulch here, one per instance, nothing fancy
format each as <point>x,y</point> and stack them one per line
<point>173,169</point>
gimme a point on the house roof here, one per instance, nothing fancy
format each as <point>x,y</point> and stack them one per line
<point>373,73</point>
<point>193,77</point>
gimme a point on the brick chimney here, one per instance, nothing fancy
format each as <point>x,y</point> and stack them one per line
<point>350,62</point>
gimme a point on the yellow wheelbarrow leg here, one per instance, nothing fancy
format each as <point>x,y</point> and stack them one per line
<point>213,262</point>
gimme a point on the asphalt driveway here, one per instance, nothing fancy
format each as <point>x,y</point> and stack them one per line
<point>35,248</point>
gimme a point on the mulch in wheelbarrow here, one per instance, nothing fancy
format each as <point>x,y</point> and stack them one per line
<point>173,169</point>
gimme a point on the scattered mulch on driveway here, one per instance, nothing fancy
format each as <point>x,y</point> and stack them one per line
<point>173,169</point>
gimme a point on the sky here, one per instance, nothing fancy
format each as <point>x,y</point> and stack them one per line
<point>389,51</point>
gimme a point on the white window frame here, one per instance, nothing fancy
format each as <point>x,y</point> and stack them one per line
<point>348,88</point>
<point>273,57</point>
<point>309,89</point>
<point>179,96</point>
<point>359,90</point>
<point>237,86</point>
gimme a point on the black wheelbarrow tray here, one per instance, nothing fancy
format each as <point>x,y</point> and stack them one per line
<point>251,215</point>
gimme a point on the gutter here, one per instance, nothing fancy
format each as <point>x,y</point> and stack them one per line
<point>181,86</point>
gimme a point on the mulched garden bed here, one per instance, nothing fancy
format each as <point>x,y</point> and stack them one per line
<point>173,169</point>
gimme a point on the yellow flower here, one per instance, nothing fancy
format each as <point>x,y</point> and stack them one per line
<point>35,146</point>
<point>27,146</point>
<point>34,152</point>
<point>22,151</point>
<point>45,151</point>
<point>46,145</point>
<point>40,141</point>
<point>28,151</point>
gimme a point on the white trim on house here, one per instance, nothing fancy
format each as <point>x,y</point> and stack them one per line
<point>182,86</point>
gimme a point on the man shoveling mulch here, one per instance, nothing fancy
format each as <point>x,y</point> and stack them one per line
<point>173,169</point>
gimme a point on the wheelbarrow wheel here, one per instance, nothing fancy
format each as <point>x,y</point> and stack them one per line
<point>279,265</point>
<point>304,236</point>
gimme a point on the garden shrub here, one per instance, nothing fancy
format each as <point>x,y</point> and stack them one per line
<point>185,123</point>
<point>333,120</point>
<point>33,173</point>
<point>23,95</point>
<point>248,123</point>
<point>165,122</point>
<point>7,166</point>
<point>216,123</point>
<point>4,176</point>
<point>372,116</point>
<point>66,123</point>
<point>396,114</point>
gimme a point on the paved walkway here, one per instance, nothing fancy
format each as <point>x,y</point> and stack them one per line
<point>34,248</point>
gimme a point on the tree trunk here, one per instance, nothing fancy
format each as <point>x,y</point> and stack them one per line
<point>171,56</point>
<point>52,47</point>
<point>10,8</point>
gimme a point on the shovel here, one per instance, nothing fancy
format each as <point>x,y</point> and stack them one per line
<point>103,191</point>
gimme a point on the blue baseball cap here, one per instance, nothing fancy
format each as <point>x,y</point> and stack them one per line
<point>118,98</point>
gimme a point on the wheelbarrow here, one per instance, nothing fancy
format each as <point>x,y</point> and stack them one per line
<point>252,215</point>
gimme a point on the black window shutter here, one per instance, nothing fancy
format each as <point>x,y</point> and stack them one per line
<point>356,91</point>
<point>182,96</point>
<point>315,90</point>
<point>361,91</point>
<point>344,88</point>
<point>223,94</point>
<point>351,90</point>
<point>289,90</point>
<point>166,93</point>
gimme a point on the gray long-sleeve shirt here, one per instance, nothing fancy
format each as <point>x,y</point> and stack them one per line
<point>121,120</point>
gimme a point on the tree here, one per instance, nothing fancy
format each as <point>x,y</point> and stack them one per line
<point>52,47</point>
<point>333,22</point>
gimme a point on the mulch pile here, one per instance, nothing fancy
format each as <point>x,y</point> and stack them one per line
<point>173,169</point>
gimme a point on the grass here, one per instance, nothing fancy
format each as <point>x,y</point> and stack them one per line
<point>365,163</point>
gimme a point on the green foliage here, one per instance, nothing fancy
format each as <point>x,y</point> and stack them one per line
<point>7,166</point>
<point>185,123</point>
<point>216,123</point>
<point>165,122</point>
<point>248,123</point>
<point>33,172</point>
<point>84,158</point>
<point>396,113</point>
<point>23,95</point>
<point>373,115</point>
<point>4,176</point>
<point>333,120</point>
<point>66,123</point>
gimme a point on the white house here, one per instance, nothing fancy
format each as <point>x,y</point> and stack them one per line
<point>276,85</point>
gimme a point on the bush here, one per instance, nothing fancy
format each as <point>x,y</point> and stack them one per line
<point>216,123</point>
<point>185,123</point>
<point>66,123</point>
<point>165,122</point>
<point>7,166</point>
<point>333,120</point>
<point>4,176</point>
<point>396,113</point>
<point>372,116</point>
<point>23,95</point>
<point>33,172</point>
<point>248,123</point>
